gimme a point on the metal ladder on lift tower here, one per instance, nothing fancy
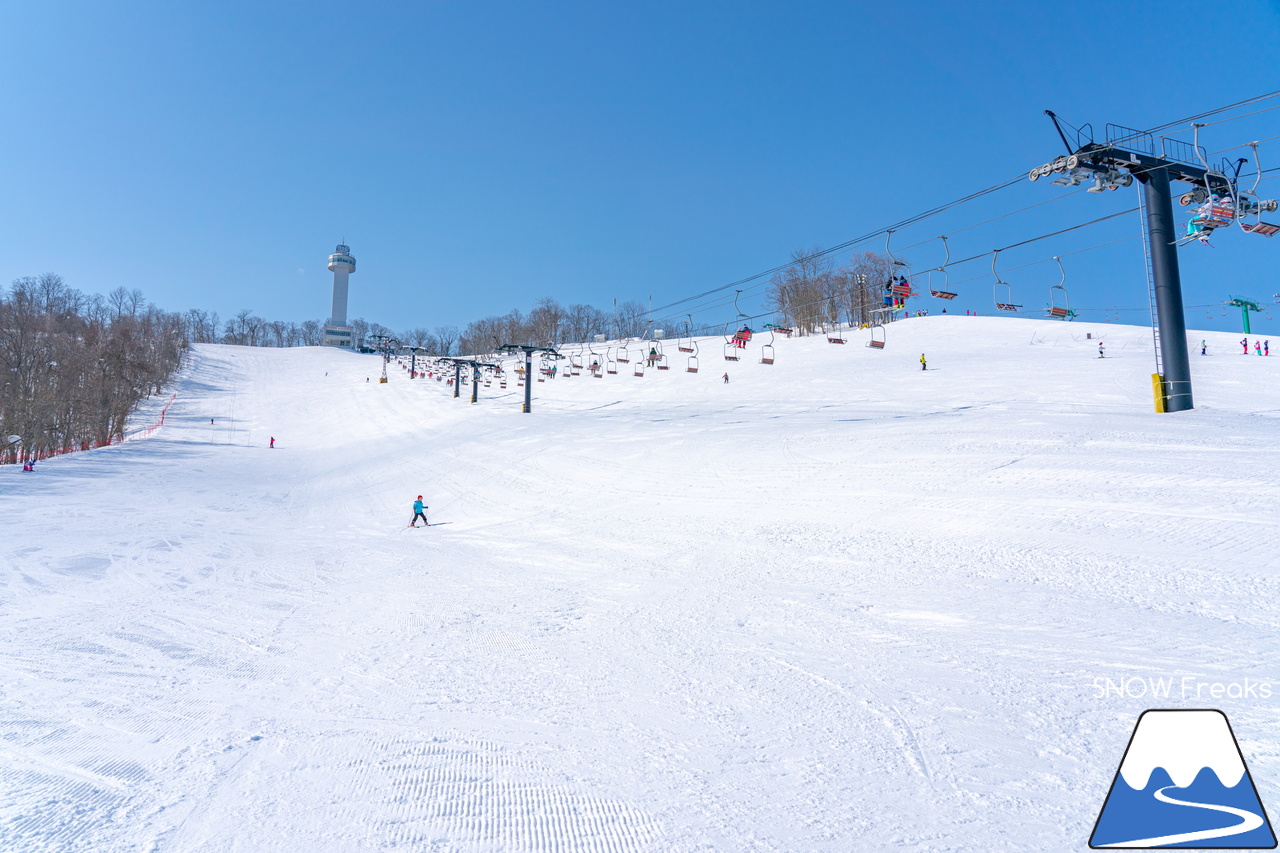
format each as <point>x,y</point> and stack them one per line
<point>1151,286</point>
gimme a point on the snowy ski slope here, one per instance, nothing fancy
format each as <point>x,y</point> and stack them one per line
<point>838,604</point>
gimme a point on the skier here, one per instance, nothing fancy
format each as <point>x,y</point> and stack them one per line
<point>1101,352</point>
<point>924,365</point>
<point>29,465</point>
<point>1257,347</point>
<point>1244,342</point>
<point>1266,347</point>
<point>273,442</point>
<point>1203,347</point>
<point>726,379</point>
<point>418,508</point>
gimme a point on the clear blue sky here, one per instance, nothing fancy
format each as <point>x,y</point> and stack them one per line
<point>477,156</point>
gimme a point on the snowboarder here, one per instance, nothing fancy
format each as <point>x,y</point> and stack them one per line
<point>924,365</point>
<point>418,508</point>
<point>273,442</point>
<point>726,379</point>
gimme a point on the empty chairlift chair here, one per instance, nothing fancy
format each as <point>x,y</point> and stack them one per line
<point>944,291</point>
<point>692,366</point>
<point>1059,308</point>
<point>1002,288</point>
<point>766,350</point>
<point>687,345</point>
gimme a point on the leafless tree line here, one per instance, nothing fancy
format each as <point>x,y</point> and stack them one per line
<point>75,366</point>
<point>815,291</point>
<point>552,323</point>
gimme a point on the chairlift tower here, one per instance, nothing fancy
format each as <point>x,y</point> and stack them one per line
<point>336,331</point>
<point>549,351</point>
<point>1155,162</point>
<point>1245,306</point>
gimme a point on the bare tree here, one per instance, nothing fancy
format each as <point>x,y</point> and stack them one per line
<point>448,336</point>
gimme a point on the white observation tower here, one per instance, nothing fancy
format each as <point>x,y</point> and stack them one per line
<point>336,332</point>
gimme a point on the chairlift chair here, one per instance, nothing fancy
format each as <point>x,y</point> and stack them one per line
<point>945,291</point>
<point>1216,209</point>
<point>692,366</point>
<point>638,370</point>
<point>836,337</point>
<point>730,345</point>
<point>899,272</point>
<point>686,344</point>
<point>610,363</point>
<point>661,357</point>
<point>766,350</point>
<point>1252,205</point>
<point>1059,311</point>
<point>877,341</point>
<point>1008,304</point>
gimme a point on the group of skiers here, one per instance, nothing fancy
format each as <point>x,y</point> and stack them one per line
<point>1261,348</point>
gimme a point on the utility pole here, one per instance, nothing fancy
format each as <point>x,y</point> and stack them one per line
<point>528,368</point>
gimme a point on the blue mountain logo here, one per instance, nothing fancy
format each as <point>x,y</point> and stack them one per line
<point>1183,783</point>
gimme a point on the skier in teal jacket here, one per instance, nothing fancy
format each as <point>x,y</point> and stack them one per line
<point>418,507</point>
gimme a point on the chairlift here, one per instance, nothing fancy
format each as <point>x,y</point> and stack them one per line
<point>1215,209</point>
<point>1008,304</point>
<point>877,341</point>
<point>836,336</point>
<point>685,344</point>
<point>638,370</point>
<point>575,364</point>
<point>730,344</point>
<point>943,292</point>
<point>661,358</point>
<point>766,350</point>
<point>1251,205</point>
<point>1056,311</point>
<point>692,366</point>
<point>610,363</point>
<point>623,358</point>
<point>899,274</point>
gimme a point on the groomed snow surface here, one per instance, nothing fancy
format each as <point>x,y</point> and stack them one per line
<point>838,604</point>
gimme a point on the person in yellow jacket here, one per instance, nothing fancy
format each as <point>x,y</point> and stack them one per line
<point>924,365</point>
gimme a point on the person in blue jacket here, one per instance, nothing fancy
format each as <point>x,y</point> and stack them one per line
<point>418,513</point>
